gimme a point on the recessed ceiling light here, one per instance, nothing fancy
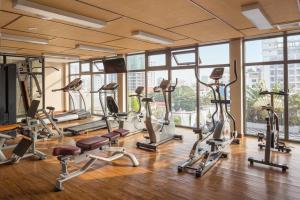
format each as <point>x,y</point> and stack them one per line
<point>20,38</point>
<point>32,28</point>
<point>151,37</point>
<point>256,15</point>
<point>53,13</point>
<point>61,58</point>
<point>288,25</point>
<point>94,48</point>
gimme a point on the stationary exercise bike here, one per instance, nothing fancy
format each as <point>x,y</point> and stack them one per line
<point>210,145</point>
<point>162,131</point>
<point>130,121</point>
<point>272,141</point>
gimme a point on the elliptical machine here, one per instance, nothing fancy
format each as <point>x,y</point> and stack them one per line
<point>272,141</point>
<point>210,145</point>
<point>163,131</point>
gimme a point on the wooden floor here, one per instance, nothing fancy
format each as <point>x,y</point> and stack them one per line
<point>157,176</point>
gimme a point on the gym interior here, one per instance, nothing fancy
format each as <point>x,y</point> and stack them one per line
<point>137,99</point>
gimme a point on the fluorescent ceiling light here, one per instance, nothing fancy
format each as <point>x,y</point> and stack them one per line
<point>151,38</point>
<point>93,48</point>
<point>53,13</point>
<point>256,15</point>
<point>60,58</point>
<point>19,38</point>
<point>7,51</point>
<point>288,25</point>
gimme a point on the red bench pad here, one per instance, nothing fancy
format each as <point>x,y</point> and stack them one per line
<point>122,132</point>
<point>66,150</point>
<point>112,136</point>
<point>92,143</point>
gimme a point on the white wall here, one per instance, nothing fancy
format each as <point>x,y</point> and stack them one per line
<point>54,80</point>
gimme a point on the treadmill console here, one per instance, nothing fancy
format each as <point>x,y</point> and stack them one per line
<point>217,73</point>
<point>110,86</point>
<point>164,84</point>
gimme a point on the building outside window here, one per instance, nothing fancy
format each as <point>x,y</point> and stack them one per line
<point>269,75</point>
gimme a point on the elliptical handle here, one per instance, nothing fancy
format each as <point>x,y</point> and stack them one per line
<point>235,75</point>
<point>173,87</point>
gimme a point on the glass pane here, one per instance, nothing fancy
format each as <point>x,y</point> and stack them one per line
<point>293,47</point>
<point>85,67</point>
<point>206,108</point>
<point>157,60</point>
<point>294,102</point>
<point>74,68</point>
<point>214,54</point>
<point>184,98</point>
<point>98,81</point>
<point>98,66</point>
<point>264,50</point>
<point>1,59</point>
<point>134,80</point>
<point>183,58</point>
<point>74,96</point>
<point>86,91</point>
<point>258,78</point>
<point>13,59</point>
<point>136,62</point>
<point>158,106</point>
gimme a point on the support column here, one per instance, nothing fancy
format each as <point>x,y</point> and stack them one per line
<point>236,90</point>
<point>121,92</point>
<point>65,74</point>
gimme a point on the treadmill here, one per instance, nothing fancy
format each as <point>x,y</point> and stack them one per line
<point>74,86</point>
<point>90,126</point>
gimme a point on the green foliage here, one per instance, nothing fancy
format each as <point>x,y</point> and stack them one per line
<point>184,98</point>
<point>255,101</point>
<point>177,120</point>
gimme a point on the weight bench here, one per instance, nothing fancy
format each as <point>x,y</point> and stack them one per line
<point>26,147</point>
<point>85,149</point>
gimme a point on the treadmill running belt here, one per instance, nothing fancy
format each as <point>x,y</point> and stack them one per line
<point>82,128</point>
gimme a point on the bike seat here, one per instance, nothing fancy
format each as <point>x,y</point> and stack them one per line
<point>112,136</point>
<point>122,132</point>
<point>147,99</point>
<point>66,150</point>
<point>92,143</point>
<point>50,108</point>
<point>122,114</point>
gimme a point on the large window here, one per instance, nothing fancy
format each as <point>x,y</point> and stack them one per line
<point>211,56</point>
<point>214,54</point>
<point>261,78</point>
<point>264,50</point>
<point>153,79</point>
<point>135,78</point>
<point>294,86</point>
<point>184,98</point>
<point>265,69</point>
<point>98,81</point>
<point>93,77</point>
<point>157,60</point>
